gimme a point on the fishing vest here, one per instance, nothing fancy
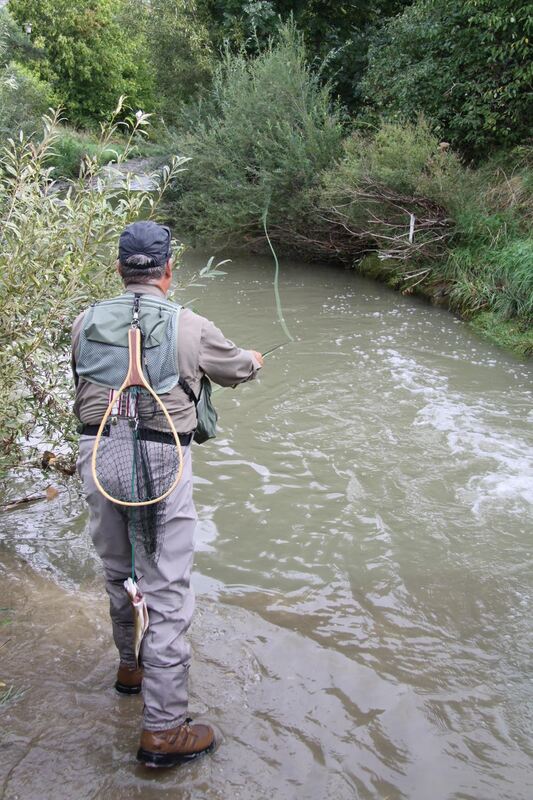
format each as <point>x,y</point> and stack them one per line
<point>103,354</point>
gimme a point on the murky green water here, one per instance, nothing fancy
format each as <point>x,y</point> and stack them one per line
<point>364,624</point>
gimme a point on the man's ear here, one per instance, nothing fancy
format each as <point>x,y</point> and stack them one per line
<point>117,267</point>
<point>168,269</point>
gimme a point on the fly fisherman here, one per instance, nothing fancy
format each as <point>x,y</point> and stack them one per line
<point>195,348</point>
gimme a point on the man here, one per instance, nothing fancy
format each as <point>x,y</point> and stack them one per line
<point>196,348</point>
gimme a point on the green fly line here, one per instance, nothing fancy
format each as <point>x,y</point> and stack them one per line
<point>279,308</point>
<point>276,278</point>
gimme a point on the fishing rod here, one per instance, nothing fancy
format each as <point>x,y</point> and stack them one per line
<point>267,352</point>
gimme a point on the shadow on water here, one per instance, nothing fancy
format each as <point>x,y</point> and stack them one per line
<point>363,569</point>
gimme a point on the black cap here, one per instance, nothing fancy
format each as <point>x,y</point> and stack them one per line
<point>145,238</point>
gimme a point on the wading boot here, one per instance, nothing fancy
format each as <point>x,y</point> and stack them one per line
<point>175,746</point>
<point>129,679</point>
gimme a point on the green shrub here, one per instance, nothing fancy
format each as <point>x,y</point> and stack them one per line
<point>71,148</point>
<point>383,183</point>
<point>23,101</point>
<point>57,255</point>
<point>261,137</point>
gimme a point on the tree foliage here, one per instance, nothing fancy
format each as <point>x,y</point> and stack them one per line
<point>464,63</point>
<point>23,100</point>
<point>87,56</point>
<point>181,54</point>
<point>23,97</point>
<point>336,34</point>
<point>172,42</point>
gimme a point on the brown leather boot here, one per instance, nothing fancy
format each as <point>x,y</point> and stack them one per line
<point>175,746</point>
<point>129,679</point>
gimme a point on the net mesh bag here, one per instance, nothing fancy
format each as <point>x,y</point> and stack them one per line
<point>136,462</point>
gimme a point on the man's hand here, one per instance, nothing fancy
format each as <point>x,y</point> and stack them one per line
<point>258,356</point>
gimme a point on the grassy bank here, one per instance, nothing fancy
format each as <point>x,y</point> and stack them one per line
<point>73,147</point>
<point>481,266</point>
<point>394,202</point>
<point>472,253</point>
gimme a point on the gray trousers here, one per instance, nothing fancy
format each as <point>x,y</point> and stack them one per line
<point>165,652</point>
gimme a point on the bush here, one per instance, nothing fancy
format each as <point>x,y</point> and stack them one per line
<point>71,149</point>
<point>383,184</point>
<point>57,255</point>
<point>23,101</point>
<point>464,63</point>
<point>259,139</point>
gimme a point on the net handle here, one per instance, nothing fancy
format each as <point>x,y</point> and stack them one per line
<point>135,377</point>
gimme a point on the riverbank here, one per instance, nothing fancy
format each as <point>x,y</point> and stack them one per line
<point>459,237</point>
<point>509,334</point>
<point>269,148</point>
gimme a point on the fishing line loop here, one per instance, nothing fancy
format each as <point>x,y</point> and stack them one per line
<point>279,308</point>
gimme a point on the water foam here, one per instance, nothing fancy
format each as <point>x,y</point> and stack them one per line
<point>493,442</point>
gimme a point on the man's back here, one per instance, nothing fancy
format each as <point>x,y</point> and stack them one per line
<point>201,349</point>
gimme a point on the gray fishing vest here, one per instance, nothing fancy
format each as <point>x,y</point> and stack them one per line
<point>103,355</point>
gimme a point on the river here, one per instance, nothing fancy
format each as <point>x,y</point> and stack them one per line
<point>363,571</point>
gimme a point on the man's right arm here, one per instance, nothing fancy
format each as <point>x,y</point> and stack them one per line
<point>224,362</point>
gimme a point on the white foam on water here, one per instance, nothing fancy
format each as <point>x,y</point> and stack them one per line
<point>498,488</point>
<point>489,436</point>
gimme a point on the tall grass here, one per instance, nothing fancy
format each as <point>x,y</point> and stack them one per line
<point>491,266</point>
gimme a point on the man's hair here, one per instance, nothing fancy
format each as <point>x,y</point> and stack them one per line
<point>141,269</point>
